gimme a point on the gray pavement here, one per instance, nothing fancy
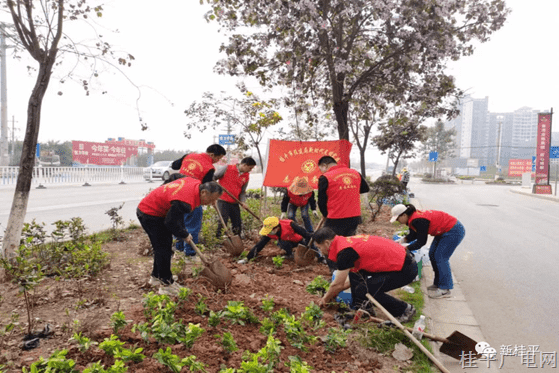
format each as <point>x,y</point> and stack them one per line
<point>446,315</point>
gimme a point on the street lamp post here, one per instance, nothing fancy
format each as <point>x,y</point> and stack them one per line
<point>498,162</point>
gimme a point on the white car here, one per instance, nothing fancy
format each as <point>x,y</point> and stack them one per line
<point>159,170</point>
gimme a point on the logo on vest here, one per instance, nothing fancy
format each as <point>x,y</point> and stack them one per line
<point>347,180</point>
<point>308,166</point>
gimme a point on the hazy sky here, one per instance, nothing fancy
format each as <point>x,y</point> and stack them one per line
<point>175,51</point>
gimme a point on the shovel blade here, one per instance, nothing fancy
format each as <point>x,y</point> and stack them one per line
<point>303,255</point>
<point>459,345</point>
<point>234,245</point>
<point>218,275</point>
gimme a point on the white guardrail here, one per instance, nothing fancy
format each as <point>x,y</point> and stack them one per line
<point>74,175</point>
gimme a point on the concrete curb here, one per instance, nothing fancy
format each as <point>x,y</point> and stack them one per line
<point>528,192</point>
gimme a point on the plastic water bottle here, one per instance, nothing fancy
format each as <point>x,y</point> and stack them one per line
<point>419,328</point>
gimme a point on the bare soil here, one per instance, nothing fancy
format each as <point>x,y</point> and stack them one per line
<point>86,306</point>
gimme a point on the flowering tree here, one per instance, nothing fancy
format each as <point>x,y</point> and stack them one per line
<point>38,26</point>
<point>336,48</point>
<point>250,114</point>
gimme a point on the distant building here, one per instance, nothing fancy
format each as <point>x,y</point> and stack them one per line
<point>486,136</point>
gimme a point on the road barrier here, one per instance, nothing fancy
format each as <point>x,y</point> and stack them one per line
<point>43,176</point>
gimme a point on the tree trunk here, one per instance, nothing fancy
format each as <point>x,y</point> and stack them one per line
<point>362,160</point>
<point>340,110</point>
<point>27,162</point>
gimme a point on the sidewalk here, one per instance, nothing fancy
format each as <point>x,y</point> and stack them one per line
<point>528,192</point>
<point>446,315</point>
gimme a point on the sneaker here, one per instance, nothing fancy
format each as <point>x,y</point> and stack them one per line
<point>407,315</point>
<point>440,293</point>
<point>432,287</point>
<point>171,290</point>
<point>288,257</point>
<point>154,281</point>
<point>242,261</point>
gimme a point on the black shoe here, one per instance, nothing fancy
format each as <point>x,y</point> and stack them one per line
<point>31,344</point>
<point>408,314</point>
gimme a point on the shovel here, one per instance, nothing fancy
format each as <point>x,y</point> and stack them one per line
<point>233,244</point>
<point>408,334</point>
<point>242,204</point>
<point>456,345</point>
<point>304,255</point>
<point>216,272</point>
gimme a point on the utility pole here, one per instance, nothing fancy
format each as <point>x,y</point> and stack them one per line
<point>12,153</point>
<point>498,163</point>
<point>4,156</point>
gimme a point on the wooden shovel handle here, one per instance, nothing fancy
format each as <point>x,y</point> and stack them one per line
<point>426,335</point>
<point>320,223</point>
<point>408,334</point>
<point>202,257</point>
<point>242,204</point>
<point>223,222</point>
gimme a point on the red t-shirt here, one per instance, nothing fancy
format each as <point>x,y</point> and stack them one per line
<point>376,254</point>
<point>158,201</point>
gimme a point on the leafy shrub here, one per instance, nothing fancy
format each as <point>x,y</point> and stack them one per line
<point>384,190</point>
<point>238,313</point>
<point>57,362</point>
<point>111,345</point>
<point>318,286</point>
<point>336,338</point>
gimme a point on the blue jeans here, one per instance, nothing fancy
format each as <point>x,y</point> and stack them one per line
<point>442,248</point>
<point>193,224</point>
<point>292,211</point>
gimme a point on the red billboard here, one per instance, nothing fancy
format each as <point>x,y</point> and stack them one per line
<point>102,154</point>
<point>290,159</point>
<point>542,149</point>
<point>519,166</point>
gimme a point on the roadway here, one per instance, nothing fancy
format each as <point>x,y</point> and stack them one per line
<point>506,265</point>
<point>63,202</point>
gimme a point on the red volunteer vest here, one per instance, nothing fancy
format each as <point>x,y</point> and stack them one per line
<point>287,232</point>
<point>376,254</point>
<point>343,192</point>
<point>233,181</point>
<point>297,200</point>
<point>196,165</point>
<point>439,222</point>
<point>158,201</point>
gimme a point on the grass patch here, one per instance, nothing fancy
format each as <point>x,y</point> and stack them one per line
<point>384,340</point>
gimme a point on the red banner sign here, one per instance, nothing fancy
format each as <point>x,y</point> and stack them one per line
<point>102,154</point>
<point>519,166</point>
<point>542,149</point>
<point>290,159</point>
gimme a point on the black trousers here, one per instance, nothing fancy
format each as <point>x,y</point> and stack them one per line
<point>377,284</point>
<point>229,211</point>
<point>343,227</point>
<point>161,240</point>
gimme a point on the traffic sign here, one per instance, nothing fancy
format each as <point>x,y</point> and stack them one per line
<point>482,169</point>
<point>433,156</point>
<point>533,163</point>
<point>226,139</point>
<point>554,152</point>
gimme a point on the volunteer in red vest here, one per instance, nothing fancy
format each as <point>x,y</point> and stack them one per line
<point>299,195</point>
<point>199,166</point>
<point>161,215</point>
<point>339,200</point>
<point>286,232</point>
<point>448,232</point>
<point>368,264</point>
<point>233,178</point>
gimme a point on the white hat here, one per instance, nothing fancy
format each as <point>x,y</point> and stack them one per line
<point>397,211</point>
